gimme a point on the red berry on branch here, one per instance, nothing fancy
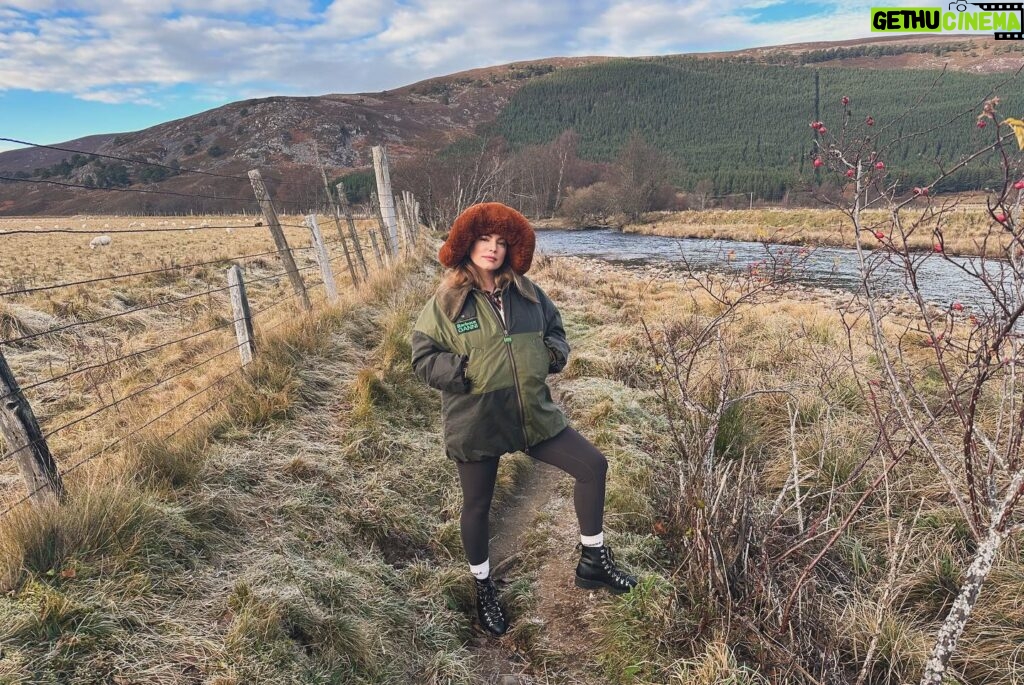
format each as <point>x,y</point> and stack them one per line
<point>879,165</point>
<point>1001,218</point>
<point>1019,185</point>
<point>845,101</point>
<point>937,247</point>
<point>957,307</point>
<point>870,121</point>
<point>849,173</point>
<point>879,235</point>
<point>818,162</point>
<point>982,123</point>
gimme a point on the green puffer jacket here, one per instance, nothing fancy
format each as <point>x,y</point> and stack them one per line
<point>494,398</point>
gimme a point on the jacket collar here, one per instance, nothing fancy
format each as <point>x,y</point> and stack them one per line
<point>452,300</point>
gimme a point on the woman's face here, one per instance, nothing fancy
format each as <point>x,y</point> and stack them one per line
<point>488,252</point>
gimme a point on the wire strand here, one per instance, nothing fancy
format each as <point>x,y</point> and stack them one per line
<point>178,169</point>
<point>69,284</point>
<point>123,399</point>
<point>119,359</point>
<point>150,191</point>
<point>79,231</point>
<point>99,452</point>
<point>76,324</point>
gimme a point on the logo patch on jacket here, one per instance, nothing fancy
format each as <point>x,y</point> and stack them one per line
<point>467,325</point>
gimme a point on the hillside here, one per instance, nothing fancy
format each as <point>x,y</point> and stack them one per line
<point>745,126</point>
<point>748,134</point>
<point>286,133</point>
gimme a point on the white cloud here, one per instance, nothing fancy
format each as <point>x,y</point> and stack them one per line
<point>137,96</point>
<point>141,48</point>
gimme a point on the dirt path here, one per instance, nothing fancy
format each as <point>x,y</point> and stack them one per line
<point>504,661</point>
<point>534,536</point>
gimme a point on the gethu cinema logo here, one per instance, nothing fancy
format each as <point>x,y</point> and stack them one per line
<point>1000,17</point>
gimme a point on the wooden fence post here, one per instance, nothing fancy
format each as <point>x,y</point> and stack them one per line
<point>270,215</point>
<point>403,223</point>
<point>376,250</point>
<point>343,203</point>
<point>386,246</point>
<point>241,315</point>
<point>325,259</point>
<point>407,209</point>
<point>19,427</point>
<point>386,199</point>
<point>337,220</point>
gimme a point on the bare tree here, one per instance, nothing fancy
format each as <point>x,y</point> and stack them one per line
<point>973,436</point>
<point>639,176</point>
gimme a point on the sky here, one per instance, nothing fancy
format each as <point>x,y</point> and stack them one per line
<point>71,68</point>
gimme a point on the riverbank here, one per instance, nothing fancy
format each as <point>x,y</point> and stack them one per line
<point>964,230</point>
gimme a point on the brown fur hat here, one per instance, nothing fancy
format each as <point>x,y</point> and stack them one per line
<point>484,219</point>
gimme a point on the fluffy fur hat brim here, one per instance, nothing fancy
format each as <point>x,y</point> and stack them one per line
<point>489,218</point>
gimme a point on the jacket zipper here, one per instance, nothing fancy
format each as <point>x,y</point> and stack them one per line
<point>515,375</point>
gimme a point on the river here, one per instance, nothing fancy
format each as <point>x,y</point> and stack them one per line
<point>942,279</point>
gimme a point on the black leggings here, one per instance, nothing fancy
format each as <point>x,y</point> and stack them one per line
<point>568,451</point>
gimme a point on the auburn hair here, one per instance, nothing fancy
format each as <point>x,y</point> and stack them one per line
<point>466,274</point>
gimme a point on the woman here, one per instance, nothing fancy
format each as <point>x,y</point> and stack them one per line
<point>487,339</point>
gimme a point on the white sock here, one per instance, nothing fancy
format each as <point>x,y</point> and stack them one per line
<point>481,571</point>
<point>592,540</point>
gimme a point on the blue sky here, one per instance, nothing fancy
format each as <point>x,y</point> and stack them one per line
<point>70,68</point>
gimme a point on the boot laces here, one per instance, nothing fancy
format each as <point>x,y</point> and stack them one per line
<point>489,602</point>
<point>608,565</point>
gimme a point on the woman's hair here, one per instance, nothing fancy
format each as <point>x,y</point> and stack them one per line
<point>466,274</point>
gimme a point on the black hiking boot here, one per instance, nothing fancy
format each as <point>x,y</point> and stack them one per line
<point>490,613</point>
<point>597,570</point>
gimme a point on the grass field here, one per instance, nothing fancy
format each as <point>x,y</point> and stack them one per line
<point>187,258</point>
<point>965,230</point>
<point>306,528</point>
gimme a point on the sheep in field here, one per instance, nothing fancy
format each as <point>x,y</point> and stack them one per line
<point>99,241</point>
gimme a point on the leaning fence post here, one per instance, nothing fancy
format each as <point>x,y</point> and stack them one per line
<point>241,315</point>
<point>18,425</point>
<point>279,240</point>
<point>403,225</point>
<point>376,250</point>
<point>325,260</point>
<point>337,222</point>
<point>387,247</point>
<point>386,200</point>
<point>343,204</point>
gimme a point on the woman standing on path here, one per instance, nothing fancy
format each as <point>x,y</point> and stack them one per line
<point>487,340</point>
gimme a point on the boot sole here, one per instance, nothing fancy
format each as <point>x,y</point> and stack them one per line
<point>588,584</point>
<point>483,631</point>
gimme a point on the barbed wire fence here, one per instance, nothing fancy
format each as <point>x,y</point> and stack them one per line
<point>48,448</point>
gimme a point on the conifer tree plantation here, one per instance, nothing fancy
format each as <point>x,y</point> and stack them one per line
<point>745,127</point>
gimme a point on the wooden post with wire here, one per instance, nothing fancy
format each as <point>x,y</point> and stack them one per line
<point>347,210</point>
<point>324,259</point>
<point>337,222</point>
<point>241,315</point>
<point>403,224</point>
<point>376,250</point>
<point>270,215</point>
<point>387,248</point>
<point>386,201</point>
<point>407,207</point>
<point>18,426</point>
